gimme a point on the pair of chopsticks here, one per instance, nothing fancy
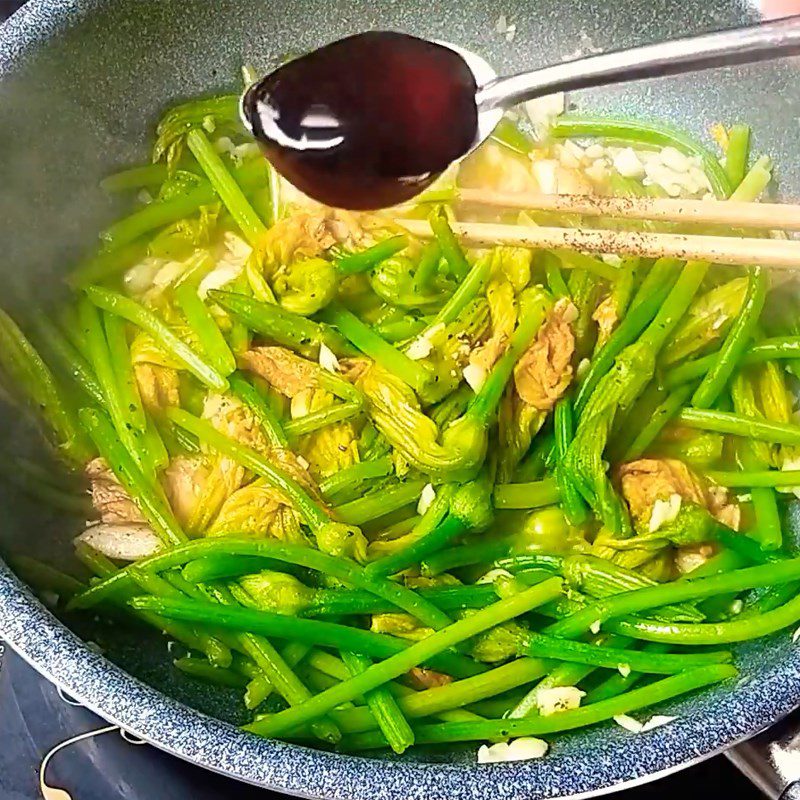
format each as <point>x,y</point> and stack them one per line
<point>736,250</point>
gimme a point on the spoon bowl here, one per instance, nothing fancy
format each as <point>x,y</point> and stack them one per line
<point>485,75</point>
<point>371,120</point>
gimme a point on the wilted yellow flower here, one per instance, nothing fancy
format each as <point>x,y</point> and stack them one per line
<point>328,449</point>
<point>184,481</point>
<point>544,372</point>
<point>110,499</point>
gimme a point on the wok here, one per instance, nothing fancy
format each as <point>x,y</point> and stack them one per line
<point>81,84</point>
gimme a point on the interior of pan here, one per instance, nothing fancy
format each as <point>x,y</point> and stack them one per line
<point>81,85</point>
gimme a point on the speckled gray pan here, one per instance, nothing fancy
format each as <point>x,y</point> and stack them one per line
<point>81,82</point>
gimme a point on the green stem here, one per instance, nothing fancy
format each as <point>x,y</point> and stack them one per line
<point>466,290</point>
<point>219,655</point>
<point>746,479</point>
<point>107,264</point>
<point>104,568</point>
<point>348,602</point>
<point>779,347</point>
<point>44,577</point>
<point>417,653</point>
<point>755,181</point>
<point>555,280</point>
<point>309,423</point>
<point>675,592</point>
<point>150,175</point>
<point>737,153</point>
<point>427,267</point>
<point>448,244</point>
<point>714,633</point>
<point>509,135</point>
<point>142,317</point>
<point>261,409</point>
<point>25,370</point>
<point>666,411</point>
<point>575,260</point>
<point>400,330</point>
<point>122,367</point>
<point>69,358</point>
<point>383,706</point>
<point>202,670</point>
<point>526,495</point>
<point>736,341</point>
<point>225,186</point>
<point>434,516</point>
<point>740,425</point>
<point>379,503</point>
<point>651,295</point>
<point>119,407</point>
<point>574,508</point>
<point>260,687</point>
<point>450,528</point>
<point>500,730</point>
<point>464,555</point>
<point>281,326</point>
<point>205,328</point>
<point>618,684</point>
<point>368,342</point>
<point>155,215</point>
<point>432,702</point>
<point>310,631</point>
<point>485,402</point>
<point>224,565</point>
<point>675,305</point>
<point>613,658</point>
<point>353,476</point>
<point>345,570</point>
<point>151,502</point>
<point>368,259</point>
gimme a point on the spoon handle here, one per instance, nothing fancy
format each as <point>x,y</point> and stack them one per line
<point>721,48</point>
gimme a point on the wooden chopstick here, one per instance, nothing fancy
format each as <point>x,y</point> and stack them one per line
<point>780,253</point>
<point>781,216</point>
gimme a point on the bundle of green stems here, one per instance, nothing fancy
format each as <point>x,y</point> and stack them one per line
<point>397,491</point>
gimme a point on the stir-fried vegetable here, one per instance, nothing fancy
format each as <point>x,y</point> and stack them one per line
<point>351,472</point>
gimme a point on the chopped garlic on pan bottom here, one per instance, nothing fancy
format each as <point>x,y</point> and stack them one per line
<point>521,749</point>
<point>634,726</point>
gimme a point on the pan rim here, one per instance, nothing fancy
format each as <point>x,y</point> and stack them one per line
<point>32,631</point>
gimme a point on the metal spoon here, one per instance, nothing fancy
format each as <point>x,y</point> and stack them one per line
<point>371,120</point>
<point>705,51</point>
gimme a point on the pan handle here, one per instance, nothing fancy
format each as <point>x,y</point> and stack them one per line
<point>771,759</point>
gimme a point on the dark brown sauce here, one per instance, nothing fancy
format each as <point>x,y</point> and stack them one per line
<point>368,121</point>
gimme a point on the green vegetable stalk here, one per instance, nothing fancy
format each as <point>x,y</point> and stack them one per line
<point>650,297</point>
<point>384,707</point>
<point>146,320</point>
<point>148,495</point>
<point>396,413</point>
<point>499,730</point>
<point>225,186</point>
<point>310,631</point>
<point>448,244</point>
<point>396,665</point>
<point>617,390</point>
<point>453,513</point>
<point>281,326</point>
<point>736,341</point>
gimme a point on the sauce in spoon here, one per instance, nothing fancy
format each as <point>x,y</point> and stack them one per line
<point>368,121</point>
